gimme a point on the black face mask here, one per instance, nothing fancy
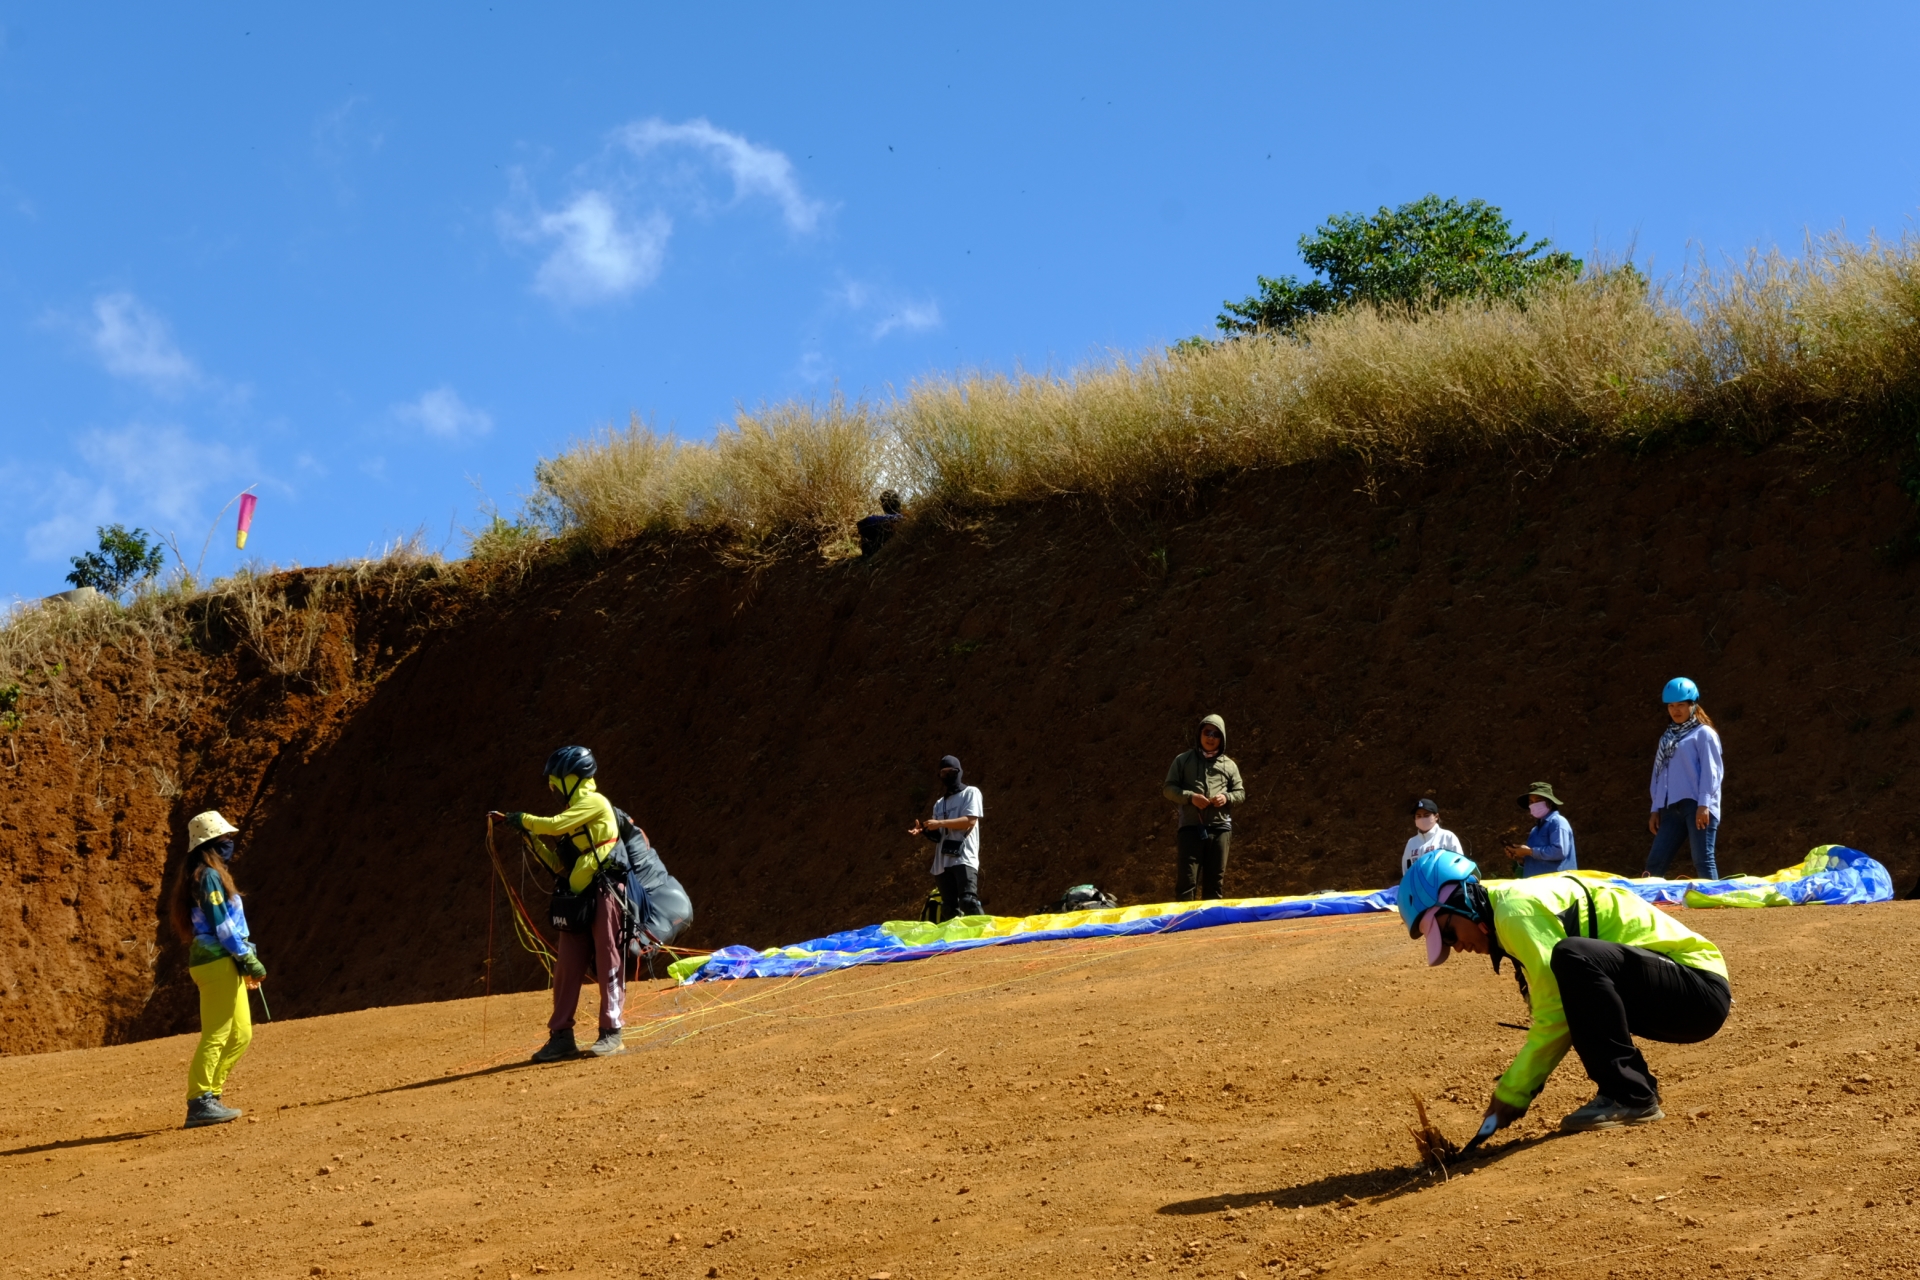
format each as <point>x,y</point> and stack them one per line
<point>224,847</point>
<point>950,774</point>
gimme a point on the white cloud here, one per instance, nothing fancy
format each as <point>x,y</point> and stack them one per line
<point>897,314</point>
<point>158,477</point>
<point>754,170</point>
<point>600,255</point>
<point>442,413</point>
<point>133,342</point>
<point>912,317</point>
<point>605,249</point>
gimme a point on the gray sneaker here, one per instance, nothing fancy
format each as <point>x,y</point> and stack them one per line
<point>558,1048</point>
<point>1604,1113</point>
<point>607,1045</point>
<point>208,1109</point>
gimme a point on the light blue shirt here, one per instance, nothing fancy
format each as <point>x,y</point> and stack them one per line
<point>1552,843</point>
<point>1694,773</point>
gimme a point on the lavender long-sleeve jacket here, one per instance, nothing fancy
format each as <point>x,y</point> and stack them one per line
<point>1694,773</point>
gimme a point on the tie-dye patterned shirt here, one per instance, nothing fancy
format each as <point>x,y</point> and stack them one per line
<point>219,922</point>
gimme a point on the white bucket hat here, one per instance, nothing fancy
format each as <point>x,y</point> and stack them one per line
<point>207,826</point>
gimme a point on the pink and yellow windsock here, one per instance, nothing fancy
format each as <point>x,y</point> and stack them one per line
<point>247,502</point>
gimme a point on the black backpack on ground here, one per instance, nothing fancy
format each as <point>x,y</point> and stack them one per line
<point>1082,897</point>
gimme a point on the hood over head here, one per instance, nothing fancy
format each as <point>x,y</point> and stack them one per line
<point>1217,723</point>
<point>955,780</point>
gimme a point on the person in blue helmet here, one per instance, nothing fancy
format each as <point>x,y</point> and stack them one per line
<point>1601,967</point>
<point>1686,785</point>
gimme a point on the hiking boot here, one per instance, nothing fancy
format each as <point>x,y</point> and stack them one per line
<point>208,1109</point>
<point>558,1048</point>
<point>607,1045</point>
<point>1604,1113</point>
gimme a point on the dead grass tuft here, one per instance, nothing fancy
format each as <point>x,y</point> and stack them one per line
<point>1435,1147</point>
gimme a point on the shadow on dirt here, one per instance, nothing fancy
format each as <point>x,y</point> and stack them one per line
<point>66,1143</point>
<point>1369,1185</point>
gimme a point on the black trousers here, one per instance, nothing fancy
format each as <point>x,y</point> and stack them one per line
<point>1202,863</point>
<point>959,892</point>
<point>1613,993</point>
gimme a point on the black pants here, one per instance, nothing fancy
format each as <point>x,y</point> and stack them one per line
<point>1202,864</point>
<point>959,892</point>
<point>1613,993</point>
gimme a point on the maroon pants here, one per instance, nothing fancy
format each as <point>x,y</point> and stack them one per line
<point>599,953</point>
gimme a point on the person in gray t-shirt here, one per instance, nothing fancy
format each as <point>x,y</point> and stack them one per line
<point>955,830</point>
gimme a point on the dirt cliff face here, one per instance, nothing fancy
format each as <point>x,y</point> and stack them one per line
<point>775,728</point>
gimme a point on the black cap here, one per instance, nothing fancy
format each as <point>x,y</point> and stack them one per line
<point>1425,805</point>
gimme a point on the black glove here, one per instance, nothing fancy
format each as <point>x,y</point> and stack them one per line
<point>250,965</point>
<point>933,834</point>
<point>517,820</point>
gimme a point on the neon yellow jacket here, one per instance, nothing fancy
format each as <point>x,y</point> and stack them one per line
<point>1530,916</point>
<point>587,824</point>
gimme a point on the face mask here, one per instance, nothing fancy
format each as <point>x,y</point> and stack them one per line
<point>225,849</point>
<point>1539,808</point>
<point>1424,821</point>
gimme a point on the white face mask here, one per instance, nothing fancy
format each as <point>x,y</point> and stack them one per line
<point>1539,808</point>
<point>1424,821</point>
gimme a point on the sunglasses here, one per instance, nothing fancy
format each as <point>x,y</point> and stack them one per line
<point>1445,923</point>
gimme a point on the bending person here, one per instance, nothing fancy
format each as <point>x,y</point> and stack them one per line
<point>955,829</point>
<point>1686,785</point>
<point>1205,782</point>
<point>1600,967</point>
<point>586,859</point>
<point>206,912</point>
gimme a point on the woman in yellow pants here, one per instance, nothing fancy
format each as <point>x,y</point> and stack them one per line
<point>207,914</point>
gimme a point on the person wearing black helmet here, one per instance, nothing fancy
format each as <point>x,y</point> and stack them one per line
<point>954,829</point>
<point>586,909</point>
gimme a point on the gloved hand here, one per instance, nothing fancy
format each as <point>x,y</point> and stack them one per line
<point>516,820</point>
<point>250,965</point>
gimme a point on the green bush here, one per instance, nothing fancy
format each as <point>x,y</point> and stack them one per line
<point>126,556</point>
<point>1418,255</point>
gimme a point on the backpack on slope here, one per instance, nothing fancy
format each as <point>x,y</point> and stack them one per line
<point>656,908</point>
<point>1082,897</point>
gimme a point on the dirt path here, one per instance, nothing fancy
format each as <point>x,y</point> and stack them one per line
<point>1224,1102</point>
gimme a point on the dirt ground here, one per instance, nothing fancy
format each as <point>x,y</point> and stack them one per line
<point>1229,1102</point>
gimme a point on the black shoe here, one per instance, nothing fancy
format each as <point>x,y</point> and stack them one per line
<point>1604,1113</point>
<point>208,1109</point>
<point>607,1045</point>
<point>558,1048</point>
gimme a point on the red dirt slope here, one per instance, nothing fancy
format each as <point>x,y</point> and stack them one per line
<point>1213,1104</point>
<point>775,730</point>
<point>1462,631</point>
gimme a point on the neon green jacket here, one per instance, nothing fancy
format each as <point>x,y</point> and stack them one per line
<point>1530,916</point>
<point>588,825</point>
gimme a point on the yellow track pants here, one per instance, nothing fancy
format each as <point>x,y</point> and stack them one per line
<point>226,1025</point>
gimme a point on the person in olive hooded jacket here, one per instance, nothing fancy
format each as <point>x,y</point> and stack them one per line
<point>1205,783</point>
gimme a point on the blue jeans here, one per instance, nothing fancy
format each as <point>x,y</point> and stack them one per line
<point>1676,829</point>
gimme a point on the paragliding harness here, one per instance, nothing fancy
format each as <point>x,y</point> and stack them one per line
<point>1082,897</point>
<point>571,912</point>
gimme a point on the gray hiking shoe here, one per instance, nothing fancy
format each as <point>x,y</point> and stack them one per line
<point>1604,1113</point>
<point>558,1048</point>
<point>607,1045</point>
<point>208,1109</point>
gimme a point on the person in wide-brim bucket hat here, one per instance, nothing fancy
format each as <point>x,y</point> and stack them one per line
<point>1549,849</point>
<point>206,912</point>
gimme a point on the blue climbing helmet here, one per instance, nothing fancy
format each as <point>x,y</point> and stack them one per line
<point>1680,689</point>
<point>1431,873</point>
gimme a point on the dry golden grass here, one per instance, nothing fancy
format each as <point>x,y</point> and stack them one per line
<point>1825,346</point>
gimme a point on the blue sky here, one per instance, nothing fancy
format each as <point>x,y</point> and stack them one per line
<point>376,260</point>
